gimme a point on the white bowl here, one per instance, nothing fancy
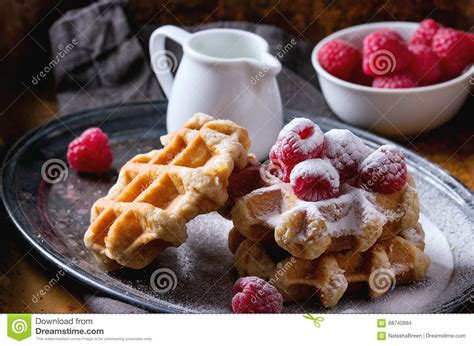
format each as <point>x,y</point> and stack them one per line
<point>392,112</point>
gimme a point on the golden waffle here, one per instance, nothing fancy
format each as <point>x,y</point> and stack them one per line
<point>395,261</point>
<point>158,192</point>
<point>354,220</point>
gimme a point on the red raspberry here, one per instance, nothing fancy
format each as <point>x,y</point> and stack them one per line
<point>314,180</point>
<point>384,170</point>
<point>339,58</point>
<point>90,152</point>
<point>345,151</point>
<point>384,52</point>
<point>254,295</point>
<point>395,81</point>
<point>424,64</point>
<point>425,32</point>
<point>455,50</point>
<point>299,140</point>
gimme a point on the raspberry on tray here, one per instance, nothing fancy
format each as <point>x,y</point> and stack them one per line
<point>255,295</point>
<point>90,152</point>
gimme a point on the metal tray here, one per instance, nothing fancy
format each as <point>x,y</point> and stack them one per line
<point>52,212</point>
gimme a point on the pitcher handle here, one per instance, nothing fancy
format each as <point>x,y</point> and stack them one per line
<point>164,62</point>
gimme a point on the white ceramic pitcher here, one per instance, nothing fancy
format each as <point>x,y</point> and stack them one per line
<point>225,73</point>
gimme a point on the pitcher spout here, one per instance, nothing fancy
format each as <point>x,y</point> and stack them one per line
<point>271,64</point>
<point>264,69</point>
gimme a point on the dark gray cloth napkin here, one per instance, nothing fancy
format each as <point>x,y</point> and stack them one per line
<point>109,64</point>
<point>104,64</point>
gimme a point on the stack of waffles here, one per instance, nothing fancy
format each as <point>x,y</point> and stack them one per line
<point>158,192</point>
<point>357,240</point>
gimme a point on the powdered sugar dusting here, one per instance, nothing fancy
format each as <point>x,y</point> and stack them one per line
<point>297,125</point>
<point>344,215</point>
<point>345,151</point>
<point>379,156</point>
<point>343,138</point>
<point>346,211</point>
<point>374,158</point>
<point>272,216</point>
<point>315,167</point>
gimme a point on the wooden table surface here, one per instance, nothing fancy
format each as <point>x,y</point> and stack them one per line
<point>23,273</point>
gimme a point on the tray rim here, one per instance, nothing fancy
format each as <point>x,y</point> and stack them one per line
<point>22,144</point>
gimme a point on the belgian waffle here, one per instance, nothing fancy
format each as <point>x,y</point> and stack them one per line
<point>355,219</point>
<point>156,193</point>
<point>398,260</point>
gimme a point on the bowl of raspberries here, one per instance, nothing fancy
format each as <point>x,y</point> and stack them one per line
<point>396,78</point>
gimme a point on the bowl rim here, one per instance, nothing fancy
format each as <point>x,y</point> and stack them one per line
<point>322,72</point>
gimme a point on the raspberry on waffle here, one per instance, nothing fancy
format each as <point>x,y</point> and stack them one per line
<point>158,192</point>
<point>355,219</point>
<point>395,261</point>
